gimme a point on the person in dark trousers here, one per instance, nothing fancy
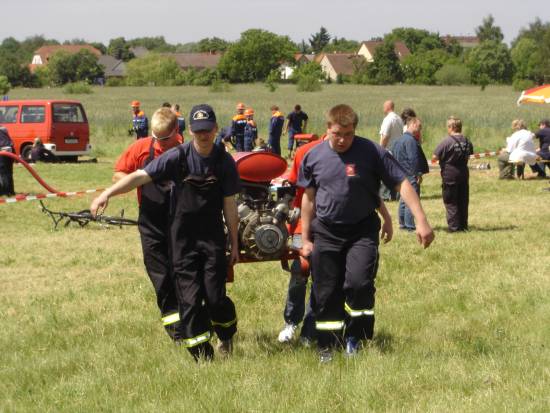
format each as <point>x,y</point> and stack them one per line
<point>409,154</point>
<point>453,154</point>
<point>340,228</point>
<point>154,215</point>
<point>276,124</point>
<point>296,123</point>
<point>40,154</point>
<point>238,124</point>
<point>205,183</point>
<point>543,135</point>
<point>140,123</point>
<point>250,131</point>
<point>6,164</point>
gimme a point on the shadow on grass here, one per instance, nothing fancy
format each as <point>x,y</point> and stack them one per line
<point>430,197</point>
<point>475,228</point>
<point>384,342</point>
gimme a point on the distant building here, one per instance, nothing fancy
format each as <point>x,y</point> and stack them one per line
<point>367,49</point>
<point>464,41</point>
<point>287,68</point>
<point>113,67</point>
<point>197,61</point>
<point>139,51</point>
<point>339,64</point>
<point>42,56</point>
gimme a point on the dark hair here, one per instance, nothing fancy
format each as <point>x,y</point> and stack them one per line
<point>177,107</point>
<point>545,122</point>
<point>166,105</point>
<point>297,108</point>
<point>407,114</point>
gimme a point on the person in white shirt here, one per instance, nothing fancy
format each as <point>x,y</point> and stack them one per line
<point>520,147</point>
<point>390,130</point>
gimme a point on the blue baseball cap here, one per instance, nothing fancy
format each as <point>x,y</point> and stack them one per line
<point>202,118</point>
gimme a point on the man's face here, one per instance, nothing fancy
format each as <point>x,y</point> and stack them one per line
<point>542,126</point>
<point>167,139</point>
<point>135,109</point>
<point>415,128</point>
<point>387,108</point>
<point>340,137</point>
<point>205,137</point>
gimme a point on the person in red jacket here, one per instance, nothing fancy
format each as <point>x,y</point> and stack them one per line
<point>153,221</point>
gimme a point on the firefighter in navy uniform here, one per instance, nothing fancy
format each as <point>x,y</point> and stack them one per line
<point>238,124</point>
<point>250,131</point>
<point>6,164</point>
<point>154,212</point>
<point>206,180</point>
<point>340,228</point>
<point>140,123</point>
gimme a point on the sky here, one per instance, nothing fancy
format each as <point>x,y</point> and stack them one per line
<point>187,21</point>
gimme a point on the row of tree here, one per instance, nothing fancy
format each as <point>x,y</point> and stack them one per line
<point>258,53</point>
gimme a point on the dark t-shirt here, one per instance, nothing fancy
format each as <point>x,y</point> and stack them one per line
<point>296,120</point>
<point>167,167</point>
<point>347,184</point>
<point>453,153</point>
<point>544,138</point>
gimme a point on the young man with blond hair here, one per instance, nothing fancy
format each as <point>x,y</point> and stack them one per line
<point>154,209</point>
<point>340,228</point>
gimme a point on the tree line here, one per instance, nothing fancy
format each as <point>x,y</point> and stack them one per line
<point>257,55</point>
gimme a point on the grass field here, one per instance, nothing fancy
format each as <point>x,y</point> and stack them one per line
<point>462,326</point>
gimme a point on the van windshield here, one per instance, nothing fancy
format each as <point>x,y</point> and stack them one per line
<point>68,113</point>
<point>8,114</point>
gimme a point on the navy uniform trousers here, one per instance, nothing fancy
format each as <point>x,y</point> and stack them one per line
<point>344,266</point>
<point>154,231</point>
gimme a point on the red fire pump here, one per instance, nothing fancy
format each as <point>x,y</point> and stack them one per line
<point>264,210</point>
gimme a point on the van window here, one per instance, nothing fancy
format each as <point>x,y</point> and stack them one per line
<point>68,113</point>
<point>32,114</point>
<point>8,114</point>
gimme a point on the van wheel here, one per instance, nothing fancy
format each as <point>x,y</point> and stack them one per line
<point>26,153</point>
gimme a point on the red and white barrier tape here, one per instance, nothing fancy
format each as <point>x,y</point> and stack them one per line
<point>480,155</point>
<point>24,198</point>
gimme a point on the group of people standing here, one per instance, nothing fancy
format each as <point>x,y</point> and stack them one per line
<point>402,136</point>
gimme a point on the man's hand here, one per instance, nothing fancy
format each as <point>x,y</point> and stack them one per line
<point>386,233</point>
<point>99,204</point>
<point>307,248</point>
<point>424,234</point>
<point>233,257</point>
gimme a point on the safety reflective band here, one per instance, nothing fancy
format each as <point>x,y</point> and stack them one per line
<point>329,325</point>
<point>195,341</point>
<point>358,313</point>
<point>224,325</point>
<point>171,319</point>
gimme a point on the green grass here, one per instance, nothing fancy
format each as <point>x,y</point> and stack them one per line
<point>462,326</point>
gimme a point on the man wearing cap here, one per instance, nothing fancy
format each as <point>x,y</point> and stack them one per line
<point>140,124</point>
<point>250,131</point>
<point>237,127</point>
<point>154,214</point>
<point>205,182</point>
<point>340,228</point>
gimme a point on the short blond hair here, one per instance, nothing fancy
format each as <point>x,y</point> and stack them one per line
<point>454,124</point>
<point>342,115</point>
<point>164,120</point>
<point>518,124</point>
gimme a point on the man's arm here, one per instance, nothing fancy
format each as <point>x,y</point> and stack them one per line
<point>126,184</point>
<point>308,213</point>
<point>424,232</point>
<point>384,139</point>
<point>386,232</point>
<point>305,126</point>
<point>232,222</point>
<point>117,176</point>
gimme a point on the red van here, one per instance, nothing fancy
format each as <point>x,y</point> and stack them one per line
<point>60,124</point>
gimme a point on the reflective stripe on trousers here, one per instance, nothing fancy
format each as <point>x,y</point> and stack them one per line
<point>195,341</point>
<point>329,325</point>
<point>224,325</point>
<point>358,313</point>
<point>170,319</point>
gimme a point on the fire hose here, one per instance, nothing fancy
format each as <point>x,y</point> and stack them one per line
<point>31,171</point>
